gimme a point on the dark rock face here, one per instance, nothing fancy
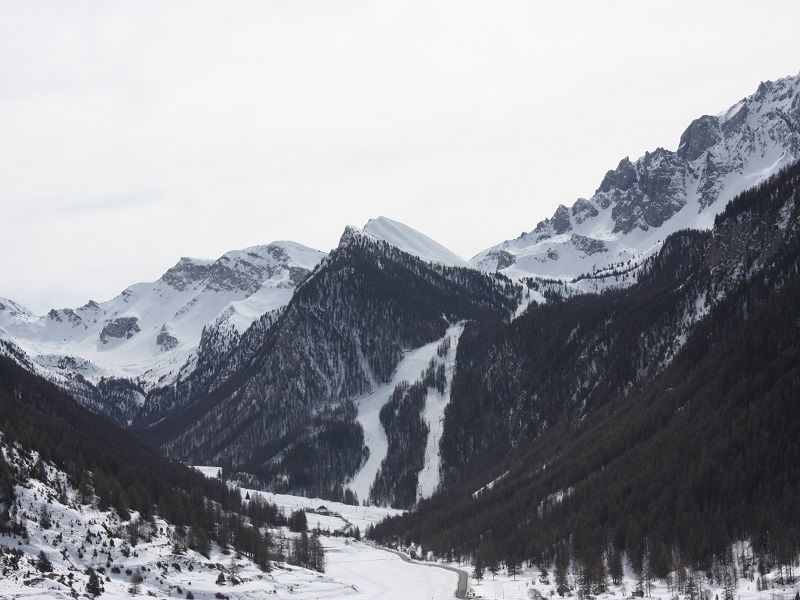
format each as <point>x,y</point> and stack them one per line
<point>557,224</point>
<point>122,327</point>
<point>588,245</point>
<point>504,259</point>
<point>794,112</point>
<point>185,273</point>
<point>297,275</point>
<point>701,134</point>
<point>165,340</point>
<point>237,271</point>
<point>582,210</point>
<point>737,121</point>
<point>560,220</point>
<point>657,197</point>
<point>623,178</point>
<point>65,315</point>
<point>90,305</point>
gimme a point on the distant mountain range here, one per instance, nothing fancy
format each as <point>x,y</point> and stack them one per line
<point>641,202</point>
<point>300,370</point>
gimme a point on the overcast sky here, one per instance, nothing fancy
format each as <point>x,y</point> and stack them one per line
<point>133,133</point>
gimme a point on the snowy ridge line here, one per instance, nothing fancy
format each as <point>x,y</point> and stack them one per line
<point>150,331</point>
<point>412,242</point>
<point>641,202</point>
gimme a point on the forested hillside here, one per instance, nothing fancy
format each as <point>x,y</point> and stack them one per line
<point>663,462</point>
<point>285,417</point>
<point>114,471</point>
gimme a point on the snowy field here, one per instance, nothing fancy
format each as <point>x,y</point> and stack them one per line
<point>369,572</point>
<point>75,536</point>
<point>210,472</point>
<point>358,516</point>
<point>531,585</point>
<point>376,574</point>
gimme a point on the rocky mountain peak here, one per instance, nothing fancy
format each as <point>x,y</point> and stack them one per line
<point>404,238</point>
<point>186,272</point>
<point>621,178</point>
<point>640,202</point>
<point>702,134</point>
<point>150,331</point>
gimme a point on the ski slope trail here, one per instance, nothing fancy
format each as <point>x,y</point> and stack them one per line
<point>411,368</point>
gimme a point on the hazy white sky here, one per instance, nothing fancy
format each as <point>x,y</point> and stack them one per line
<point>133,133</point>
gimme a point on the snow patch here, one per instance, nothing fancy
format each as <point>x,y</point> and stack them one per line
<point>412,241</point>
<point>433,416</point>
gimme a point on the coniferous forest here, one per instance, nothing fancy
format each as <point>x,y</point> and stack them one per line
<point>671,471</point>
<point>114,471</point>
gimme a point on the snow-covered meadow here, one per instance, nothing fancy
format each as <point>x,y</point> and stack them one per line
<point>136,557</point>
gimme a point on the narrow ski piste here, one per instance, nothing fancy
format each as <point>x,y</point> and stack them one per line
<point>410,369</point>
<point>433,415</point>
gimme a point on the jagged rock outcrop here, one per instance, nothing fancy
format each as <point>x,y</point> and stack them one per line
<point>100,342</point>
<point>640,203</point>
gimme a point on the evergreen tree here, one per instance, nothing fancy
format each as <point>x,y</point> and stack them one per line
<point>94,585</point>
<point>38,471</point>
<point>316,553</point>
<point>615,565</point>
<point>492,564</point>
<point>136,582</point>
<point>513,567</point>
<point>478,566</point>
<point>43,563</point>
<point>562,565</point>
<point>298,521</point>
<point>44,518</point>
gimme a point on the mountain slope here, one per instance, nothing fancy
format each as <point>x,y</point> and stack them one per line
<point>572,356</point>
<point>640,203</point>
<point>108,466</point>
<point>287,413</point>
<point>149,333</point>
<point>633,468</point>
<point>412,241</point>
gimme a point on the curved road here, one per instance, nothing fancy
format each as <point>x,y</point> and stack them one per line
<point>463,576</point>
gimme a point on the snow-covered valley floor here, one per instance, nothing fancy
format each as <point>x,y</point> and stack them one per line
<point>369,573</point>
<point>74,537</point>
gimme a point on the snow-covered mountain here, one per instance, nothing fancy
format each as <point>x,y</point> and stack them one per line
<point>309,372</point>
<point>149,331</point>
<point>412,241</point>
<point>280,408</point>
<point>640,203</point>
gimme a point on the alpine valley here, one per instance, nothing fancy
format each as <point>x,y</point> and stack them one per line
<point>612,395</point>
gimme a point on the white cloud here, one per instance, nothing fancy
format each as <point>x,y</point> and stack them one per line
<point>134,133</point>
